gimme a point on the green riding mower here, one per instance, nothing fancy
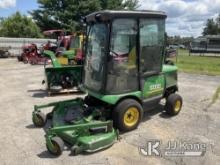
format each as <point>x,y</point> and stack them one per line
<point>123,73</point>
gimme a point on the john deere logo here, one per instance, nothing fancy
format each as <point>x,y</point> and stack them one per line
<point>155,87</point>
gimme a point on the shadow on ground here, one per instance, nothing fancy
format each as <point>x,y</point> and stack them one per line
<point>46,154</point>
<point>31,126</point>
<point>40,93</point>
<point>157,110</point>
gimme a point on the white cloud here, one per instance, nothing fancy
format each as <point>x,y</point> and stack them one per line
<point>174,8</point>
<point>185,17</point>
<point>7,3</point>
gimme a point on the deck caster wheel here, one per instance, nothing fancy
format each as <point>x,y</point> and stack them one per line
<point>39,119</point>
<point>173,104</point>
<point>57,146</point>
<point>127,115</point>
<point>75,150</point>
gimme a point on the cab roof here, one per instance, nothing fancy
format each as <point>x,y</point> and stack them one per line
<point>108,15</point>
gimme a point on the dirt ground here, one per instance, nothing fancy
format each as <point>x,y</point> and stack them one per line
<point>22,143</point>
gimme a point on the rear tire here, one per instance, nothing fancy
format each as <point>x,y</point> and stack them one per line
<point>127,115</point>
<point>173,104</point>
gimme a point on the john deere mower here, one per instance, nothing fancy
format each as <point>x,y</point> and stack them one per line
<point>123,75</point>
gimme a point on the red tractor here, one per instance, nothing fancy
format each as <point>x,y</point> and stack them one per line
<point>30,54</point>
<point>37,58</point>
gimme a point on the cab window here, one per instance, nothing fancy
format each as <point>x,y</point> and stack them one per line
<point>122,66</point>
<point>151,44</point>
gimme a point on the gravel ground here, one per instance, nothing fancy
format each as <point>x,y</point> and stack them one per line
<point>22,143</point>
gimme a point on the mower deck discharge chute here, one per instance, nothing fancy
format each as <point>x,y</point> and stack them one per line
<point>123,73</point>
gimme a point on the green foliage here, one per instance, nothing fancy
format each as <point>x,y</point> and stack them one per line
<point>198,64</point>
<point>19,25</point>
<point>65,14</point>
<point>212,27</point>
<point>216,95</point>
<point>170,40</point>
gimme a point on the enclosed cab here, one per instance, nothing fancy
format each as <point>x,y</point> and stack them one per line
<point>124,55</point>
<point>124,63</point>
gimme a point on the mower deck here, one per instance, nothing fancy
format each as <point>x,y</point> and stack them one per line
<point>84,128</point>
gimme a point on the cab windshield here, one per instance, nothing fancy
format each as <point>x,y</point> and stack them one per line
<point>95,53</point>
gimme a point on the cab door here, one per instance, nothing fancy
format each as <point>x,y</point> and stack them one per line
<point>151,37</point>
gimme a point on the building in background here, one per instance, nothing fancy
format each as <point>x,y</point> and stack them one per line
<point>206,44</point>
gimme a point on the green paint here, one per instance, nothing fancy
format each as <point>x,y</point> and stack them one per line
<point>169,68</point>
<point>170,73</point>
<point>78,133</point>
<point>216,96</point>
<point>153,86</point>
<point>54,75</point>
<point>70,54</point>
<point>52,56</point>
<point>113,99</point>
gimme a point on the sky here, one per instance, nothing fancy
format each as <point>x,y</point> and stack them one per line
<point>8,7</point>
<point>185,17</point>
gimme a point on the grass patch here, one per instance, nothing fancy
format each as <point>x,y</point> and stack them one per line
<point>216,95</point>
<point>198,64</point>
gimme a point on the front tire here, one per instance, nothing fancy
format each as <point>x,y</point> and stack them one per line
<point>173,104</point>
<point>39,119</point>
<point>58,146</point>
<point>127,115</point>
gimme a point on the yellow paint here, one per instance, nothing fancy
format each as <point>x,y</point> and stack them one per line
<point>63,60</point>
<point>131,116</point>
<point>177,106</point>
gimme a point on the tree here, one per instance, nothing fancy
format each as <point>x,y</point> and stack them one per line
<point>19,25</point>
<point>171,40</point>
<point>212,26</point>
<point>65,14</point>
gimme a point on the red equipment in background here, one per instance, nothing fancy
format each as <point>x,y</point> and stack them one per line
<point>31,55</point>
